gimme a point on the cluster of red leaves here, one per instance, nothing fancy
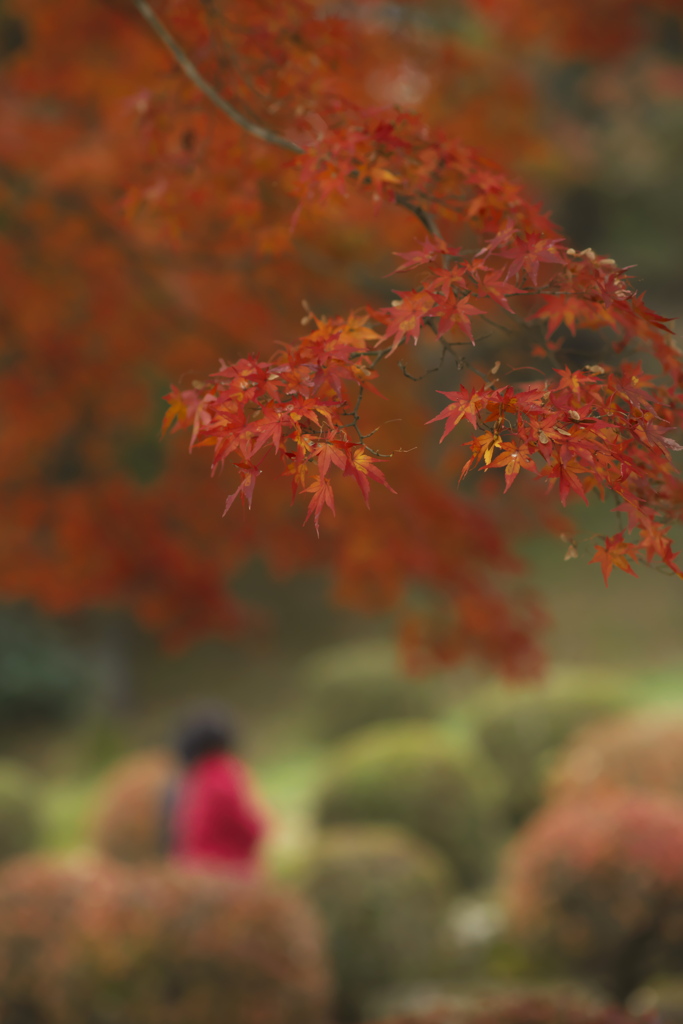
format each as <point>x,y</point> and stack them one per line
<point>294,404</point>
<point>591,435</point>
<point>589,430</point>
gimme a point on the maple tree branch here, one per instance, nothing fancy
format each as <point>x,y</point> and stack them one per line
<point>195,76</point>
<point>218,19</point>
<point>422,215</point>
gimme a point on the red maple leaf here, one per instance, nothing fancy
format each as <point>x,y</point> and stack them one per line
<point>614,554</point>
<point>321,489</point>
<point>363,467</point>
<point>406,317</point>
<point>463,403</point>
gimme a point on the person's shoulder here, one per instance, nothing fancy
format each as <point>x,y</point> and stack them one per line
<point>224,770</point>
<point>235,767</point>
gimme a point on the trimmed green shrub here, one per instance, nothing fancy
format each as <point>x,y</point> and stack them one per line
<point>412,775</point>
<point>599,885</point>
<point>521,731</point>
<point>130,823</point>
<point>104,942</point>
<point>350,686</point>
<point>382,895</point>
<point>19,810</point>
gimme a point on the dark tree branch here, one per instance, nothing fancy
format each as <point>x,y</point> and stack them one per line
<point>433,369</point>
<point>425,218</point>
<point>195,76</point>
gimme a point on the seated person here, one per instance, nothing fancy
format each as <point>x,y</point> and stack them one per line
<point>213,816</point>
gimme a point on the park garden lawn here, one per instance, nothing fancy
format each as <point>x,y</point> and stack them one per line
<point>287,780</point>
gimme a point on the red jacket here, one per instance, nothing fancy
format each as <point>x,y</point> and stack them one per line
<point>215,819</point>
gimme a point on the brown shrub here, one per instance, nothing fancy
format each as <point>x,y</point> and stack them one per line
<point>600,883</point>
<point>122,945</point>
<point>640,752</point>
<point>129,822</point>
<point>40,949</point>
<point>520,1008</point>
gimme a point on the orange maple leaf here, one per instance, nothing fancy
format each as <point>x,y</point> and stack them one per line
<point>614,554</point>
<point>321,489</point>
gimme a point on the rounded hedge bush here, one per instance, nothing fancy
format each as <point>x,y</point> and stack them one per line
<point>413,776</point>
<point>382,895</point>
<point>130,820</point>
<point>354,685</point>
<point>19,810</point>
<point>41,951</point>
<point>644,752</point>
<point>518,1008</point>
<point>139,945</point>
<point>600,884</point>
<point>520,731</point>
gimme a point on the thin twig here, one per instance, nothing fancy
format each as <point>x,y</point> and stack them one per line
<point>433,369</point>
<point>195,76</point>
<point>354,415</point>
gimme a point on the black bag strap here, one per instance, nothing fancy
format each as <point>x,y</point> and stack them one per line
<point>169,802</point>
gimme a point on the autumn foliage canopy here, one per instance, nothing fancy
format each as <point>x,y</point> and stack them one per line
<point>182,182</point>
